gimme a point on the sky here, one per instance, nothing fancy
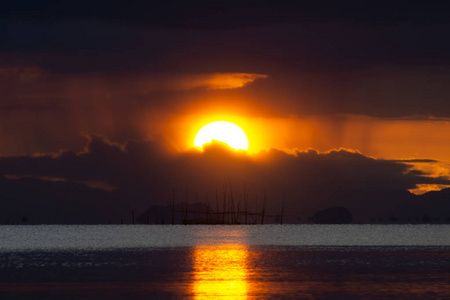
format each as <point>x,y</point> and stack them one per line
<point>344,104</point>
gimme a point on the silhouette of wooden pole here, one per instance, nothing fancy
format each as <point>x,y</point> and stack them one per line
<point>245,211</point>
<point>256,210</point>
<point>173,206</point>
<point>217,218</point>
<point>207,208</point>
<point>217,202</point>
<point>264,208</point>
<point>224,204</point>
<point>231,204</point>
<point>195,206</point>
<point>282,211</point>
<point>186,211</point>
<point>238,209</point>
<point>245,204</point>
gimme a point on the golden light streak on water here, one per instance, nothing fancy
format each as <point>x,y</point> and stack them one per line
<point>220,272</point>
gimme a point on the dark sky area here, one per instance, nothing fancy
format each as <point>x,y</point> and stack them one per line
<point>347,104</point>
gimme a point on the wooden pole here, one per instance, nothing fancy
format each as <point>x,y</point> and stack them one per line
<point>245,203</point>
<point>264,208</point>
<point>233,217</point>
<point>186,211</point>
<point>207,208</point>
<point>173,206</point>
<point>238,208</point>
<point>217,207</point>
<point>224,204</point>
<point>195,206</point>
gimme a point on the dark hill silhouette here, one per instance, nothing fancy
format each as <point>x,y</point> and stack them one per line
<point>431,207</point>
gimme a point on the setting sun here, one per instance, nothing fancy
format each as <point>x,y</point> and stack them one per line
<point>222,131</point>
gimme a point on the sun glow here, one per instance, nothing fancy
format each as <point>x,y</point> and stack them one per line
<point>222,131</point>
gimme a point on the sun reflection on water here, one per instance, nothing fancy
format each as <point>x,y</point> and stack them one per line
<point>220,272</point>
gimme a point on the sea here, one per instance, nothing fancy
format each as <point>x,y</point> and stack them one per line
<point>225,262</point>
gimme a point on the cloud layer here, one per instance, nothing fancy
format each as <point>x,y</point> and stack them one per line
<point>142,174</point>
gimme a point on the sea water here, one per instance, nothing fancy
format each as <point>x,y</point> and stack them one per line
<point>225,262</point>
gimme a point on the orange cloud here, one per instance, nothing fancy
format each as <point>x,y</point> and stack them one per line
<point>214,81</point>
<point>231,80</point>
<point>434,169</point>
<point>425,188</point>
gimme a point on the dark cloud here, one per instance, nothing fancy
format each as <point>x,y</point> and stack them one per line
<point>229,14</point>
<point>417,160</point>
<point>34,201</point>
<point>389,61</point>
<point>146,173</point>
<point>259,36</point>
<point>31,108</point>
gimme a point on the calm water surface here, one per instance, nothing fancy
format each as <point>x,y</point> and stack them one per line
<point>225,262</point>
